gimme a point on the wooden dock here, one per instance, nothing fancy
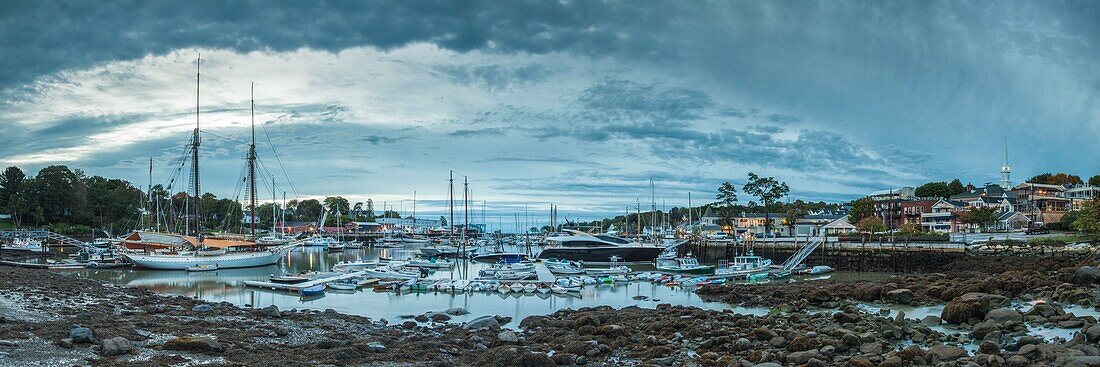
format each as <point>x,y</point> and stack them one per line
<point>544,274</point>
<point>306,284</point>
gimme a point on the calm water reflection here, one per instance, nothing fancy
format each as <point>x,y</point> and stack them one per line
<point>228,285</point>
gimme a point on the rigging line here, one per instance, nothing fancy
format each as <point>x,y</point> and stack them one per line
<point>280,160</point>
<point>223,137</point>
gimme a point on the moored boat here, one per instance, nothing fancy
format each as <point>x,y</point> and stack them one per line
<point>683,265</point>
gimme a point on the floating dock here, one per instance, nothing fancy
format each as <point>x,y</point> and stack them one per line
<point>306,284</point>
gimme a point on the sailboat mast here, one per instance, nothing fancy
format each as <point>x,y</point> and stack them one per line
<point>451,200</point>
<point>252,168</point>
<point>195,155</point>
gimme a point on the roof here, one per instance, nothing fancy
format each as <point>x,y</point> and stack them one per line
<point>840,223</point>
<point>1044,186</point>
<point>709,213</point>
<point>1013,216</point>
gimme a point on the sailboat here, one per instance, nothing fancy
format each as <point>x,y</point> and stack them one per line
<point>191,250</point>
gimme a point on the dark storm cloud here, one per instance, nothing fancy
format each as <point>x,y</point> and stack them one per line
<point>43,37</point>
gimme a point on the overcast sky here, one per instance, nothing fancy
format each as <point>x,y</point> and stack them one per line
<point>578,103</point>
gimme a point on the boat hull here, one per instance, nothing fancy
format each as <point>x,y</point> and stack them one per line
<point>602,255</point>
<point>227,261</point>
<point>694,271</point>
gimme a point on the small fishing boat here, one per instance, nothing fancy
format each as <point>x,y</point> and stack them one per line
<point>200,268</point>
<point>820,269</point>
<point>313,290</point>
<point>614,269</point>
<point>335,246</point>
<point>742,266</point>
<point>23,244</point>
<point>557,289</point>
<point>516,287</point>
<point>780,274</point>
<point>342,286</point>
<point>431,263</point>
<point>529,288</point>
<point>504,288</point>
<point>543,288</point>
<point>354,245</point>
<point>565,267</point>
<point>351,266</point>
<point>288,279</point>
<point>683,265</point>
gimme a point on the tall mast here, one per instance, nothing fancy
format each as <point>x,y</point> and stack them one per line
<point>275,207</point>
<point>195,155</point>
<point>414,210</point>
<point>451,199</point>
<point>252,168</point>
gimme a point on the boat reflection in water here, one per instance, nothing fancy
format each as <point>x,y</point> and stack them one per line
<point>228,285</point>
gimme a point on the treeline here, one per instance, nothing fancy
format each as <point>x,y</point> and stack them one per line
<point>69,201</point>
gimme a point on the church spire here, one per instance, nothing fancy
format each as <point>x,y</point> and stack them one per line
<point>1006,171</point>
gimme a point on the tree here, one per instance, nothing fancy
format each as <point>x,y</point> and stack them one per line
<point>910,229</point>
<point>391,214</point>
<point>1060,178</point>
<point>62,193</point>
<point>1094,181</point>
<point>370,211</point>
<point>336,204</point>
<point>10,182</point>
<point>956,187</point>
<point>791,217</point>
<point>309,210</point>
<point>870,225</point>
<point>1088,218</point>
<point>861,208</point>
<point>727,196</point>
<point>981,217</point>
<point>938,189</point>
<point>768,190</point>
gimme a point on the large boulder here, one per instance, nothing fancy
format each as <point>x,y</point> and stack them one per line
<point>1003,314</point>
<point>901,296</point>
<point>80,334</point>
<point>1045,310</point>
<point>1086,275</point>
<point>972,305</point>
<point>481,322</point>
<point>946,353</point>
<point>115,346</point>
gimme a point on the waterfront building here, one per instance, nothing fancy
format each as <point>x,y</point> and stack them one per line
<point>840,226</point>
<point>911,210</point>
<point>814,224</point>
<point>943,218</point>
<point>1011,220</point>
<point>1080,194</point>
<point>1042,203</point>
<point>888,204</point>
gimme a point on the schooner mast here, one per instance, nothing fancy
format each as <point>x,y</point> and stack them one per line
<point>252,169</point>
<point>195,157</point>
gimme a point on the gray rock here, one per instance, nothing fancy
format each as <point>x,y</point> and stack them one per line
<point>8,343</point>
<point>802,357</point>
<point>1045,310</point>
<point>202,308</point>
<point>873,348</point>
<point>376,347</point>
<point>507,336</point>
<point>1004,314</point>
<point>1093,333</point>
<point>742,344</point>
<point>767,364</point>
<point>931,320</point>
<point>482,322</point>
<point>1086,275</point>
<point>902,296</point>
<point>946,353</point>
<point>282,331</point>
<point>80,334</point>
<point>1017,361</point>
<point>1071,324</point>
<point>115,346</point>
<point>972,305</point>
<point>457,311</point>
<point>440,317</point>
<point>1082,361</point>
<point>271,311</point>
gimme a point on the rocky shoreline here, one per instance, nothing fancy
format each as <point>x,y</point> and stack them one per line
<point>55,319</point>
